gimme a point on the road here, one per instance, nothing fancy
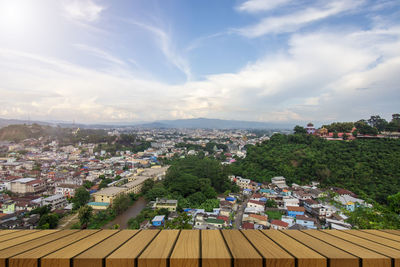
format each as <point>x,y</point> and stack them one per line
<point>239,215</point>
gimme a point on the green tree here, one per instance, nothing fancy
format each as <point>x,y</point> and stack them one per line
<point>87,184</point>
<point>181,222</point>
<point>121,203</point>
<point>84,215</point>
<point>80,198</point>
<point>270,204</point>
<point>299,130</point>
<point>48,221</point>
<point>394,203</point>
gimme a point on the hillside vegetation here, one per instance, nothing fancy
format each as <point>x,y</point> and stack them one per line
<point>369,168</point>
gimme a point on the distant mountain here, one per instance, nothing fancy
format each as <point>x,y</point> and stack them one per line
<point>199,123</point>
<point>215,124</point>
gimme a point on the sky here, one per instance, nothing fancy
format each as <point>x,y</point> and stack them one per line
<point>93,61</point>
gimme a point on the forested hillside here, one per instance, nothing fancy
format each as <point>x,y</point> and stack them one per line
<point>370,168</point>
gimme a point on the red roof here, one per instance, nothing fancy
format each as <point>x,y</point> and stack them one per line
<point>304,218</point>
<point>256,195</point>
<point>279,223</point>
<point>259,217</point>
<point>248,225</point>
<point>295,209</point>
<point>225,218</point>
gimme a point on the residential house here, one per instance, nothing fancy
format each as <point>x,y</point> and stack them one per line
<point>279,225</point>
<point>258,205</point>
<point>158,220</point>
<point>256,219</point>
<point>294,211</point>
<point>67,190</point>
<point>308,222</point>
<point>169,204</point>
<point>56,201</point>
<point>279,182</point>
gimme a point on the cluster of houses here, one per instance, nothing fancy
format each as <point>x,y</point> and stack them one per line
<point>295,207</point>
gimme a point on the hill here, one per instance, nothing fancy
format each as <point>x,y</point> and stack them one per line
<point>369,168</point>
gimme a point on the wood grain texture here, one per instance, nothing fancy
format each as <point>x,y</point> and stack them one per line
<point>395,232</point>
<point>31,258</point>
<point>305,256</point>
<point>214,252</point>
<point>371,245</point>
<point>273,254</point>
<point>368,257</point>
<point>62,257</point>
<point>378,239</point>
<point>186,252</point>
<point>125,255</point>
<point>338,258</point>
<point>94,256</point>
<point>158,251</point>
<point>25,238</point>
<point>244,254</point>
<point>6,232</point>
<point>16,234</point>
<point>383,234</point>
<point>17,249</point>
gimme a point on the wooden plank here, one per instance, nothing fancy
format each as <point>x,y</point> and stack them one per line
<point>371,245</point>
<point>337,257</point>
<point>16,234</point>
<point>159,250</point>
<point>126,255</point>
<point>31,257</point>
<point>244,254</point>
<point>305,256</point>
<point>25,238</point>
<point>378,239</point>
<point>369,258</point>
<point>395,232</point>
<point>214,252</point>
<point>187,250</point>
<point>94,256</point>
<point>6,232</point>
<point>273,254</point>
<point>62,257</point>
<point>383,234</point>
<point>17,249</point>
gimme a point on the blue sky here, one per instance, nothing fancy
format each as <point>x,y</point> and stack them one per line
<point>263,60</point>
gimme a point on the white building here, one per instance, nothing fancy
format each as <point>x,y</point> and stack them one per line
<point>56,202</point>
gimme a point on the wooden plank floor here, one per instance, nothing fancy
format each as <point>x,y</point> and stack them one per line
<point>194,248</point>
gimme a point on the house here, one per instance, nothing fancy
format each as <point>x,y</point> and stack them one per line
<point>67,190</point>
<point>310,223</point>
<point>258,205</point>
<point>107,195</point>
<point>279,225</point>
<point>294,211</point>
<point>256,219</point>
<point>290,202</point>
<point>158,220</point>
<point>7,207</point>
<point>169,204</point>
<point>247,226</point>
<point>310,204</point>
<point>288,219</point>
<point>27,185</point>
<point>279,182</point>
<point>55,201</point>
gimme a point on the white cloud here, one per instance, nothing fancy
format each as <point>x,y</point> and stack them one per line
<point>254,6</point>
<point>164,41</point>
<point>83,10</point>
<point>323,75</point>
<point>100,53</point>
<point>296,20</point>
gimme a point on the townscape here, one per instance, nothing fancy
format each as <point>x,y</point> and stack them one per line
<point>47,183</point>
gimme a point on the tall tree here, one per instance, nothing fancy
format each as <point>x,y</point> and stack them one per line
<point>80,198</point>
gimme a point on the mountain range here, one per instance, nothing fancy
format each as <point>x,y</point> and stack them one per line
<point>198,123</point>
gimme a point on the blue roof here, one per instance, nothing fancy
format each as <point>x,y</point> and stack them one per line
<point>247,189</point>
<point>98,204</point>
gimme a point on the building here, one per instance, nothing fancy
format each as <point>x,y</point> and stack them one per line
<point>28,186</point>
<point>310,128</point>
<point>294,211</point>
<point>169,204</point>
<point>7,207</point>
<point>55,201</point>
<point>279,181</point>
<point>107,195</point>
<point>279,225</point>
<point>67,190</point>
<point>136,185</point>
<point>302,220</point>
<point>158,220</point>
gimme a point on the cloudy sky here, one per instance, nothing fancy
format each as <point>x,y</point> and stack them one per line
<point>141,60</point>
